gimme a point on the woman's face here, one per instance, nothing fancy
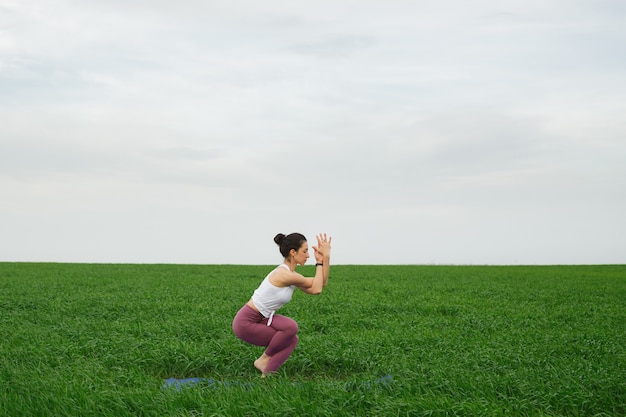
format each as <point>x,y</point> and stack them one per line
<point>302,254</point>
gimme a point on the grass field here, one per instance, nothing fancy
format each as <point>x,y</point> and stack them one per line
<point>99,340</point>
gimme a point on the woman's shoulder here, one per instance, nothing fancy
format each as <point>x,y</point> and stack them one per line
<point>283,277</point>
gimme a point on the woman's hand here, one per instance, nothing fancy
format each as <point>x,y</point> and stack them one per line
<point>322,250</point>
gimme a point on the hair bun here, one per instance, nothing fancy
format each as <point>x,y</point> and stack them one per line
<point>279,238</point>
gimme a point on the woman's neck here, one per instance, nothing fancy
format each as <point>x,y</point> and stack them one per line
<point>291,264</point>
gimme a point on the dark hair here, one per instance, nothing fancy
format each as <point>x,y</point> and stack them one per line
<point>289,242</point>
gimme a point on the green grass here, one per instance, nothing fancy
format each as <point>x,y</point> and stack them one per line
<point>94,340</point>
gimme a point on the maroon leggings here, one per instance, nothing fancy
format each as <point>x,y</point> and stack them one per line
<point>280,337</point>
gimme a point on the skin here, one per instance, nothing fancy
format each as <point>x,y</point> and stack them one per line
<point>283,278</point>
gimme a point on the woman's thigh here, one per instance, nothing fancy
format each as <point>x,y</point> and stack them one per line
<point>284,324</point>
<point>252,330</point>
<point>258,334</point>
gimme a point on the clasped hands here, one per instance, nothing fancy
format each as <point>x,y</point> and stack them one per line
<point>322,250</point>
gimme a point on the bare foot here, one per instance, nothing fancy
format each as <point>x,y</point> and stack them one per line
<point>261,363</point>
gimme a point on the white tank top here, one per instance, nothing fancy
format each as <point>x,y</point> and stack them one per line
<point>268,298</point>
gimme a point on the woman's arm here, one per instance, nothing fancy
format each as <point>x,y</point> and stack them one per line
<point>314,286</point>
<point>322,255</point>
<point>326,270</point>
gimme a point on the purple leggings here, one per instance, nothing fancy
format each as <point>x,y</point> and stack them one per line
<point>280,337</point>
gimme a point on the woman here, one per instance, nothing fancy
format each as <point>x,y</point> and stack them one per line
<point>257,323</point>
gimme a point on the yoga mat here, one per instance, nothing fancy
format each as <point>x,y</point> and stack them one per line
<point>179,383</point>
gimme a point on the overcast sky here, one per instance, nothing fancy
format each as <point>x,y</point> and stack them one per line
<point>413,132</point>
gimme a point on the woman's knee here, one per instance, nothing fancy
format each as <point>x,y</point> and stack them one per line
<point>293,329</point>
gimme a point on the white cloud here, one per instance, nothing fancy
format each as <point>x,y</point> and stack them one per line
<point>484,134</point>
